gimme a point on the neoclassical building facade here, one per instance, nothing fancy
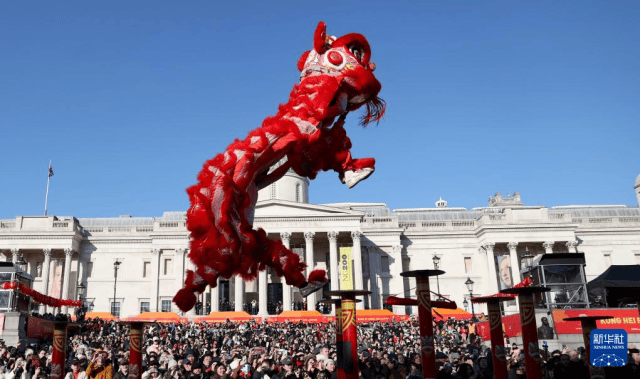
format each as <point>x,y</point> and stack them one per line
<point>73,257</point>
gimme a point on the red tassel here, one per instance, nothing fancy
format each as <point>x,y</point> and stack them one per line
<point>185,300</point>
<point>317,276</point>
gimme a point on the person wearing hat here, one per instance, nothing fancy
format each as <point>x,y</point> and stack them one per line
<point>75,372</point>
<point>286,369</point>
<point>155,345</point>
<point>123,370</point>
<point>151,373</point>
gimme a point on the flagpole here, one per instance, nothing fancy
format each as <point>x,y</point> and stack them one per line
<point>46,197</point>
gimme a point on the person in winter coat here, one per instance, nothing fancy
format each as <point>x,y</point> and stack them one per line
<point>97,369</point>
<point>75,372</point>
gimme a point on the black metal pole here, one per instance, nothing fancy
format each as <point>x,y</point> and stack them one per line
<point>115,282</point>
<point>473,312</point>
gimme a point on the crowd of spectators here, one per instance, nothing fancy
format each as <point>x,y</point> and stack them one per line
<point>99,349</point>
<point>253,309</point>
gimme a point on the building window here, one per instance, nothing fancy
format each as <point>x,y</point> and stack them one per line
<point>607,260</point>
<point>273,191</point>
<point>39,269</point>
<point>298,193</point>
<point>167,268</point>
<point>384,264</point>
<point>145,306</point>
<point>115,308</point>
<point>468,268</point>
<point>88,269</point>
<point>146,266</point>
<point>166,305</point>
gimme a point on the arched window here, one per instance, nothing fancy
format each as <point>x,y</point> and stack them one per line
<point>298,193</point>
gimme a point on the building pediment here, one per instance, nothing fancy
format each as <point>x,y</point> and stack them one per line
<point>284,209</point>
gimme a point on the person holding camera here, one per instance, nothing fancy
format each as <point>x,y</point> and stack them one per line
<point>19,371</point>
<point>99,368</point>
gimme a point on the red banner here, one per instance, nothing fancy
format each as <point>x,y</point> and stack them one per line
<point>626,319</point>
<point>510,325</point>
<point>39,329</point>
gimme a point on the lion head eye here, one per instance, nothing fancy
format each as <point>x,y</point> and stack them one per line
<point>356,52</point>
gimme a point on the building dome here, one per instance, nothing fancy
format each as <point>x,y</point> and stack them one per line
<point>291,187</point>
<point>441,203</point>
<point>637,181</point>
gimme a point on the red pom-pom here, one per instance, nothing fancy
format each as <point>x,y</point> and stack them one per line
<point>317,276</point>
<point>185,300</point>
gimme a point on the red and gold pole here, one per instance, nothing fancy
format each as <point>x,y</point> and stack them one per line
<point>532,358</point>
<point>59,349</point>
<point>347,325</point>
<point>423,293</point>
<point>339,350</point>
<point>498,354</point>
<point>135,350</point>
<point>135,347</point>
<point>588,324</point>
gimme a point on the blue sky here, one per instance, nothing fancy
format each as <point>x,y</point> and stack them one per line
<point>128,99</point>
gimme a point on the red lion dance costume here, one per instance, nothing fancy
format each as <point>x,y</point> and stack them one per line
<point>336,78</point>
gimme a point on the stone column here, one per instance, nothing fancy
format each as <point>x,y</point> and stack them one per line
<point>68,254</point>
<point>263,282</point>
<point>397,281</point>
<point>333,261</point>
<point>286,289</point>
<point>515,266</point>
<point>46,266</point>
<point>373,278</point>
<point>548,247</point>
<point>572,246</point>
<point>155,268</point>
<point>15,255</point>
<point>239,294</point>
<point>309,260</point>
<point>491,264</point>
<point>215,297</point>
<point>515,269</point>
<point>357,263</point>
<point>180,269</point>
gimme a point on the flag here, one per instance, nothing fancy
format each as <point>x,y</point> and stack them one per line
<point>50,170</point>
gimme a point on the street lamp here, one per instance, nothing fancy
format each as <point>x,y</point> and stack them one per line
<point>436,265</point>
<point>116,264</point>
<point>81,311</point>
<point>466,305</point>
<point>527,260</point>
<point>22,263</point>
<point>80,287</point>
<point>469,284</point>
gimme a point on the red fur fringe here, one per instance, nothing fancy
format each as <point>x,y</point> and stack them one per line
<point>317,276</point>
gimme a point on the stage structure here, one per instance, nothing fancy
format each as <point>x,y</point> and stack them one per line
<point>563,274</point>
<point>14,305</point>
